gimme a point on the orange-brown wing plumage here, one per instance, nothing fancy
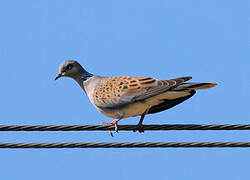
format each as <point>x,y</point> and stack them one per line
<point>117,91</point>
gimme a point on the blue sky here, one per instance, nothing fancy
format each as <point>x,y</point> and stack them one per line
<point>208,40</point>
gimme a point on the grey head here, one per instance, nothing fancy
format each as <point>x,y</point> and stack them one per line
<point>73,69</point>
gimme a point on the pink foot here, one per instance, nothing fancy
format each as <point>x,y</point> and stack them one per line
<point>113,123</point>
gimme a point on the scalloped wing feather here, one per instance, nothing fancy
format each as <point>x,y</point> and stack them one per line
<point>118,91</point>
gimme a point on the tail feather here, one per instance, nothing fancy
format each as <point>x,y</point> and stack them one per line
<point>195,86</point>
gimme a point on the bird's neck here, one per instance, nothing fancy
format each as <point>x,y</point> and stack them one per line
<point>81,78</point>
<point>85,76</point>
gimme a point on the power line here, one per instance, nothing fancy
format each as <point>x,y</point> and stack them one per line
<point>129,145</point>
<point>124,127</point>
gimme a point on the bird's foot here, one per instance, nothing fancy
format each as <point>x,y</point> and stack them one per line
<point>139,128</point>
<point>113,123</point>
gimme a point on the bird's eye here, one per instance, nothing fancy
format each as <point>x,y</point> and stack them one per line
<point>69,67</point>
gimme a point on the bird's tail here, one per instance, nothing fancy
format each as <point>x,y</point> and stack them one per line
<point>195,86</point>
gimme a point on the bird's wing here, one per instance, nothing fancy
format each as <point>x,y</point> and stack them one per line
<point>118,91</point>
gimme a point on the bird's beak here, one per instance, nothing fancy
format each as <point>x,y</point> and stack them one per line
<point>58,76</point>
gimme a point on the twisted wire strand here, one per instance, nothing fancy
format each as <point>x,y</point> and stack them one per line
<point>129,145</point>
<point>124,127</point>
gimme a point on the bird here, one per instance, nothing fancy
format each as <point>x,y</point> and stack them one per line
<point>121,97</point>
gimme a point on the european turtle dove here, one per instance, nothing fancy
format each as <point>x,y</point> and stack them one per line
<point>127,96</point>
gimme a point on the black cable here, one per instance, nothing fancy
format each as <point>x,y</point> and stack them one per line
<point>124,127</point>
<point>129,145</point>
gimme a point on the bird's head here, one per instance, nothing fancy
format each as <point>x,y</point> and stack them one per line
<point>72,69</point>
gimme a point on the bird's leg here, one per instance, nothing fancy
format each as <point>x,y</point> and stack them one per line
<point>139,125</point>
<point>113,123</point>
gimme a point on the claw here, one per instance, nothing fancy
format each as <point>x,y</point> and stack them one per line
<point>116,128</point>
<point>111,134</point>
<point>139,128</point>
<point>113,123</point>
